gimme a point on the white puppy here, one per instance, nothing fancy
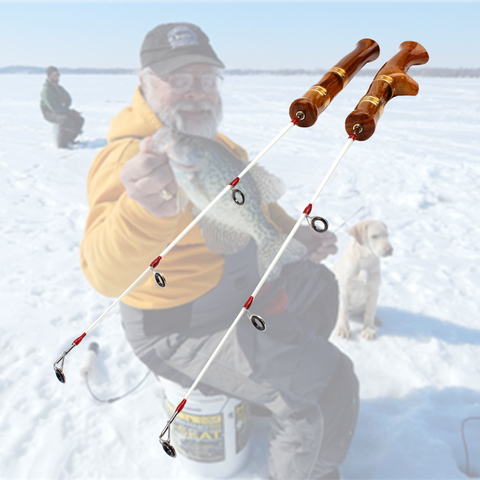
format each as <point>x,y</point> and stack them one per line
<point>358,275</point>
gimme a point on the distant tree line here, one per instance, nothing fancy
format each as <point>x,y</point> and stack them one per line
<point>418,72</point>
<point>29,70</point>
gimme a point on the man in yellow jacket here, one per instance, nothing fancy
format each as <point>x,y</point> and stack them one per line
<point>295,372</point>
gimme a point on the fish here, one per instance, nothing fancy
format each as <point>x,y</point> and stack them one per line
<point>202,168</point>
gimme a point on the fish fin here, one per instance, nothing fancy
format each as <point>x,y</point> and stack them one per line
<point>269,186</point>
<point>294,252</point>
<point>221,238</point>
<point>194,211</point>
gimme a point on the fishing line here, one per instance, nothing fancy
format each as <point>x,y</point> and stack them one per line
<point>115,399</point>
<point>348,219</point>
<point>88,367</point>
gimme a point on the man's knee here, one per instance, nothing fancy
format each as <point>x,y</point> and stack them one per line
<point>75,121</point>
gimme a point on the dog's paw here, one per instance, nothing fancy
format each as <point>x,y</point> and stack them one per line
<point>368,333</point>
<point>343,332</point>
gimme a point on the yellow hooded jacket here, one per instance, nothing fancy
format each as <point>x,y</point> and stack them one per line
<point>121,238</point>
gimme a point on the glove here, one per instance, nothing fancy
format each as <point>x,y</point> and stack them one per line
<point>319,245</point>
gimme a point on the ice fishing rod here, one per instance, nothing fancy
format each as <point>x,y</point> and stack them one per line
<point>390,81</point>
<point>307,109</point>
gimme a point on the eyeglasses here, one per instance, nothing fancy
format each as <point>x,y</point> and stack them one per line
<point>183,82</point>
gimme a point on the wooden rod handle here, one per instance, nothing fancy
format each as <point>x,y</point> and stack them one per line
<point>390,81</point>
<point>318,97</point>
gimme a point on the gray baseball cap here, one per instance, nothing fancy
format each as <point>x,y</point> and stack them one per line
<point>175,45</point>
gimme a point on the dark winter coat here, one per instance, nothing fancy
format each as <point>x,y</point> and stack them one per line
<point>292,369</point>
<point>55,98</point>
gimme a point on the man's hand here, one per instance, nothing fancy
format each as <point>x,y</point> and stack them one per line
<point>148,179</point>
<point>319,245</point>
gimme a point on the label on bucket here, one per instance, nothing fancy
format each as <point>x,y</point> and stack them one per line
<point>242,425</point>
<point>199,437</point>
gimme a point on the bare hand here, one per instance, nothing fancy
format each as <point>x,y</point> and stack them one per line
<point>319,245</point>
<point>148,179</point>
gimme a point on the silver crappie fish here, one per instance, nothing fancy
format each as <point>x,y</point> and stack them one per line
<point>202,168</point>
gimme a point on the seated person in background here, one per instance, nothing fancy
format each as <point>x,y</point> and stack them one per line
<point>55,105</point>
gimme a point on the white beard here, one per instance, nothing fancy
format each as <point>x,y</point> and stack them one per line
<point>171,118</point>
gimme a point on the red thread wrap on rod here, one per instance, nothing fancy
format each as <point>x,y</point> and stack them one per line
<point>156,262</point>
<point>248,303</point>
<point>181,405</point>
<point>79,339</point>
<point>234,182</point>
<point>308,209</point>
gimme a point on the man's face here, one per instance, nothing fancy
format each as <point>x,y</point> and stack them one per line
<point>186,99</point>
<point>54,77</point>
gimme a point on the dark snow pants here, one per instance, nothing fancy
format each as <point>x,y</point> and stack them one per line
<point>292,369</point>
<point>66,126</point>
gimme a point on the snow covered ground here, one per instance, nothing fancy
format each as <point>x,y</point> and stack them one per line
<point>419,173</point>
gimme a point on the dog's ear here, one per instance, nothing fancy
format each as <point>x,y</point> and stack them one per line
<point>359,232</point>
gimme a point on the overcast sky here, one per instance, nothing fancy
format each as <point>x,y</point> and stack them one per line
<point>268,34</point>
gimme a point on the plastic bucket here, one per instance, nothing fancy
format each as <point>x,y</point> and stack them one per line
<point>211,434</point>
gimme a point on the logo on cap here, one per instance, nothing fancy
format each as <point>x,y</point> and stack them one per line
<point>181,37</point>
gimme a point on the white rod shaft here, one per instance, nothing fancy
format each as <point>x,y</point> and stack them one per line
<point>270,268</point>
<point>267,148</point>
<point>284,246</point>
<point>214,354</point>
<point>300,220</point>
<point>332,168</point>
<point>127,291</point>
<point>286,129</point>
<point>195,220</point>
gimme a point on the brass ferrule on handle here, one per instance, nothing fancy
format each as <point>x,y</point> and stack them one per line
<point>308,107</point>
<point>390,81</point>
